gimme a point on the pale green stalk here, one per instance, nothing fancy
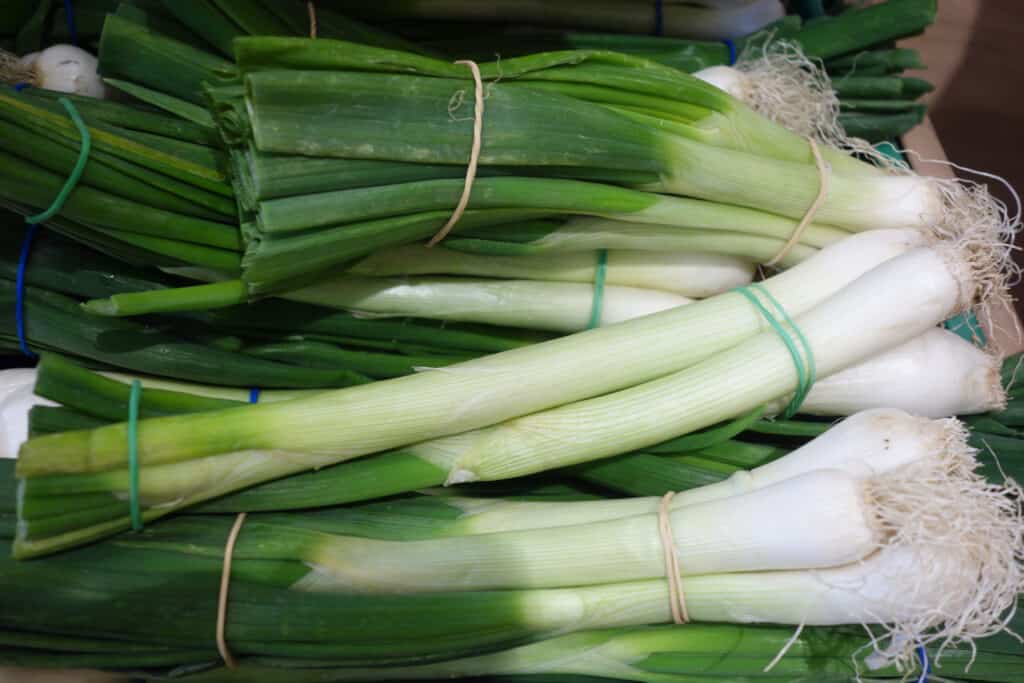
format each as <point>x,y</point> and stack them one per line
<point>533,304</point>
<point>587,234</point>
<point>691,274</point>
<point>895,302</point>
<point>478,392</point>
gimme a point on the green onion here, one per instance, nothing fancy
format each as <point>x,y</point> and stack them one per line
<point>465,396</point>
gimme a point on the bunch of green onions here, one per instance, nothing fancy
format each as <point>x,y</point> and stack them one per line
<point>317,564</point>
<point>877,102</point>
<point>556,410</point>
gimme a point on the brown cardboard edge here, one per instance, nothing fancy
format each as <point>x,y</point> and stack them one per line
<point>1002,325</point>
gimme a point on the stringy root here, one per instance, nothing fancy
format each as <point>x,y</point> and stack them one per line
<point>782,84</point>
<point>964,538</point>
<point>13,71</point>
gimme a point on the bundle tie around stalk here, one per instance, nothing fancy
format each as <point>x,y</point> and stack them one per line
<point>222,597</point>
<point>225,572</point>
<point>659,17</point>
<point>600,274</point>
<point>311,8</point>
<point>474,154</point>
<point>733,56</point>
<point>33,221</point>
<point>824,177</point>
<point>677,598</point>
<point>805,369</point>
<point>69,12</point>
<point>134,397</point>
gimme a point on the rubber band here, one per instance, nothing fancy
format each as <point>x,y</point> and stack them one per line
<point>33,221</point>
<point>926,667</point>
<point>677,599</point>
<point>600,274</point>
<point>222,596</point>
<point>311,8</point>
<point>474,154</point>
<point>824,177</point>
<point>18,87</point>
<point>732,51</point>
<point>254,395</point>
<point>133,454</point>
<point>19,291</point>
<point>70,12</point>
<point>659,18</point>
<point>812,370</point>
<point>805,371</point>
<point>76,171</point>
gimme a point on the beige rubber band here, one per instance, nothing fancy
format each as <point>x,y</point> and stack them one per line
<point>824,175</point>
<point>312,18</point>
<point>677,599</point>
<point>474,155</point>
<point>222,598</point>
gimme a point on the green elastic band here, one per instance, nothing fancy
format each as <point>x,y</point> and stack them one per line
<point>812,371</point>
<point>76,172</point>
<point>805,372</point>
<point>599,276</point>
<point>133,454</point>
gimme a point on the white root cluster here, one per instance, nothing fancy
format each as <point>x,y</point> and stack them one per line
<point>953,552</point>
<point>785,85</point>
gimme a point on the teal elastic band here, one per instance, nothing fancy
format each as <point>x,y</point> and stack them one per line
<point>805,372</point>
<point>76,172</point>
<point>133,454</point>
<point>812,371</point>
<point>600,273</point>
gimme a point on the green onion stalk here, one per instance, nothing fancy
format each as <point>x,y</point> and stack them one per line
<point>623,141</point>
<point>88,400</point>
<point>142,193</point>
<point>164,52</point>
<point>664,654</point>
<point>613,98</point>
<point>843,41</point>
<point>174,572</point>
<point>335,426</point>
<point>272,344</point>
<point>512,546</point>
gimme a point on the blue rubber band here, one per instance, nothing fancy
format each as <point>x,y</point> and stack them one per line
<point>254,395</point>
<point>70,12</point>
<point>732,50</point>
<point>19,297</point>
<point>926,667</point>
<point>18,87</point>
<point>659,18</point>
<point>133,454</point>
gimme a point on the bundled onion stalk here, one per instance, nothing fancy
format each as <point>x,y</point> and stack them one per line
<point>151,189</point>
<point>272,628</point>
<point>874,100</point>
<point>665,390</point>
<point>891,520</point>
<point>273,344</point>
<point>88,400</point>
<point>561,293</point>
<point>651,127</point>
